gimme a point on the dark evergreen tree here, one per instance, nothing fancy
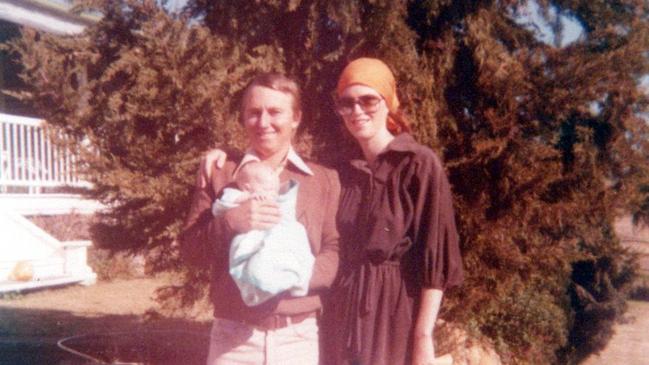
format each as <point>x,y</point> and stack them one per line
<point>544,144</point>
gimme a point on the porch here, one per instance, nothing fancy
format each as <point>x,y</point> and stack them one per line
<point>38,178</point>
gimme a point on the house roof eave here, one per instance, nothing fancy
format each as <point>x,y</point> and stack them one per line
<point>44,15</point>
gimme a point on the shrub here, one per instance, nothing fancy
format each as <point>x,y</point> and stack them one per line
<point>110,265</point>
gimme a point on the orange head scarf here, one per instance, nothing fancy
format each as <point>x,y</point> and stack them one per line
<point>376,74</point>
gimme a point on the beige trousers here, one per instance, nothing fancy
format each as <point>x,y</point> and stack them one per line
<point>235,343</point>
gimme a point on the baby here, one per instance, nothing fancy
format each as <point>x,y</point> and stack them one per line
<point>266,263</point>
<point>256,181</point>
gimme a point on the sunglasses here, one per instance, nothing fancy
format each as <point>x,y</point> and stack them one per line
<point>368,103</point>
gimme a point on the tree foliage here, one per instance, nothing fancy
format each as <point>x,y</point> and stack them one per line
<point>544,144</point>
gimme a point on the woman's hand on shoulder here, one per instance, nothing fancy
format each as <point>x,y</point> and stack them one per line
<point>213,158</point>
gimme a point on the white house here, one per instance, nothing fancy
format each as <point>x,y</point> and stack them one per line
<point>33,172</point>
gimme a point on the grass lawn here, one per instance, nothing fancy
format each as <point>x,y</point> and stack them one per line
<point>118,321</point>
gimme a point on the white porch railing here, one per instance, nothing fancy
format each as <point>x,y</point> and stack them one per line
<point>30,163</point>
<point>28,159</point>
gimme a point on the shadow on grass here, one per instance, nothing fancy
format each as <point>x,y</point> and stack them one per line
<point>30,336</point>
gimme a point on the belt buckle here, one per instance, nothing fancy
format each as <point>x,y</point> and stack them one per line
<point>274,322</point>
<point>281,321</point>
<point>278,321</point>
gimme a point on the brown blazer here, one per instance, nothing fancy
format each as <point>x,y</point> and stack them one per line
<point>205,240</point>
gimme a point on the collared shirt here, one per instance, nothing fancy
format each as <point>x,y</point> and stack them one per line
<point>291,157</point>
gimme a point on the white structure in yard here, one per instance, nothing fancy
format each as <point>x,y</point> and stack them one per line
<point>29,167</point>
<point>32,170</point>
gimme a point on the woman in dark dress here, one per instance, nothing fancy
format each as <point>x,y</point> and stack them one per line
<point>399,244</point>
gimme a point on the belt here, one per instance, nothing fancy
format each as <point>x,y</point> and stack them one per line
<point>277,321</point>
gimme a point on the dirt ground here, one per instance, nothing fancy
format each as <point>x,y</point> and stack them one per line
<point>112,313</point>
<point>32,324</point>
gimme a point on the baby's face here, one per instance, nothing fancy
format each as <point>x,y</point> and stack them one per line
<point>259,180</point>
<point>262,185</point>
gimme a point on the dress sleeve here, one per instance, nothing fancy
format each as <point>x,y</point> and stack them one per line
<point>325,266</point>
<point>435,230</point>
<point>204,237</point>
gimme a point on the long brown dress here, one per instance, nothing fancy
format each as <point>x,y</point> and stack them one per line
<point>398,236</point>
